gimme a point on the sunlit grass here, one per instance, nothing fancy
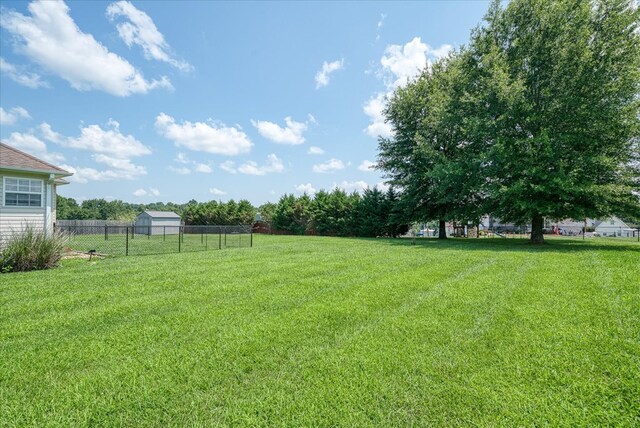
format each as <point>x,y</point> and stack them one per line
<point>304,331</point>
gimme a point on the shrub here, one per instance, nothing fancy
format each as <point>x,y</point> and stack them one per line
<point>32,250</point>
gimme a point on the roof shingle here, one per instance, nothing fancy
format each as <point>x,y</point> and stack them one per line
<point>15,159</point>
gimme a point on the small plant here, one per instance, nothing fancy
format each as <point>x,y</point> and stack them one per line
<point>32,250</point>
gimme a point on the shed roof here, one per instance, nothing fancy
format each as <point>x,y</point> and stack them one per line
<point>17,160</point>
<point>160,214</point>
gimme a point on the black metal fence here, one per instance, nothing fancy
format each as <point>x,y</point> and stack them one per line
<point>127,240</point>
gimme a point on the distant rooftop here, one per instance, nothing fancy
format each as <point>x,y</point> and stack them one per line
<point>12,158</point>
<point>161,214</point>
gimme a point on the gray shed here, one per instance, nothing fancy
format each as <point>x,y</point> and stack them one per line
<point>157,223</point>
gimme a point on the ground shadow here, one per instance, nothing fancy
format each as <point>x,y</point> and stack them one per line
<point>557,245</point>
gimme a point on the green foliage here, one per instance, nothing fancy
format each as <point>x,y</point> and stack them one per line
<point>334,212</point>
<point>100,209</point>
<point>292,214</point>
<point>219,213</point>
<point>538,117</point>
<point>562,85</point>
<point>337,213</point>
<point>32,250</point>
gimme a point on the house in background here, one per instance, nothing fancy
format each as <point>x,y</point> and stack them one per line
<point>612,226</point>
<point>28,190</point>
<point>157,223</point>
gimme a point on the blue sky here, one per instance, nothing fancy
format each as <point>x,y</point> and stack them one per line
<point>172,101</point>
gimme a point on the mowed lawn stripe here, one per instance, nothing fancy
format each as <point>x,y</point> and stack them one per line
<point>326,331</point>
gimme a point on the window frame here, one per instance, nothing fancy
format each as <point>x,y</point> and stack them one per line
<point>41,193</point>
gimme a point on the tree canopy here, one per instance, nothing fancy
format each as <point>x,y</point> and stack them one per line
<point>538,117</point>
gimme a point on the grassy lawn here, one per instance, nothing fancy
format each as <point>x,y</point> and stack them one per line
<point>305,331</point>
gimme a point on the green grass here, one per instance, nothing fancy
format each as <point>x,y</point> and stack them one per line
<point>305,331</point>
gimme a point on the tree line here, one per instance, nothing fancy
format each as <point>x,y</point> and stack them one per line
<point>538,117</point>
<point>336,213</point>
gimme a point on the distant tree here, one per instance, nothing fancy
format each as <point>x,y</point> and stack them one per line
<point>333,212</point>
<point>67,208</point>
<point>396,222</point>
<point>371,214</point>
<point>266,211</point>
<point>292,214</point>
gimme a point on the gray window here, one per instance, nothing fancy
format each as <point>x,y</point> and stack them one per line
<point>23,192</point>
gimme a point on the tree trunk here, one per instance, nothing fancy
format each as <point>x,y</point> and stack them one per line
<point>537,224</point>
<point>442,230</point>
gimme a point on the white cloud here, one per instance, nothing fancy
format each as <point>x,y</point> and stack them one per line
<point>405,62</point>
<point>313,150</point>
<point>51,38</point>
<point>366,166</point>
<point>374,109</point>
<point>182,158</point>
<point>139,29</point>
<point>180,170</point>
<point>123,168</point>
<point>49,134</point>
<point>31,144</point>
<point>350,186</point>
<point>290,134</point>
<point>109,146</point>
<point>381,20</point>
<point>153,191</point>
<point>26,142</point>
<point>306,188</point>
<point>139,192</point>
<point>204,137</point>
<point>24,78</point>
<point>399,65</point>
<point>329,166</point>
<point>204,168</point>
<point>12,115</point>
<point>382,186</point>
<point>228,166</point>
<point>322,76</point>
<point>252,168</point>
<point>109,141</point>
<point>84,175</point>
<point>217,192</point>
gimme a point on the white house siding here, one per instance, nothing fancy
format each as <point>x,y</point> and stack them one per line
<point>15,219</point>
<point>169,226</point>
<point>148,225</point>
<point>611,227</point>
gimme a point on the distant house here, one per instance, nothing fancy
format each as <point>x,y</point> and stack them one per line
<point>28,190</point>
<point>157,223</point>
<point>612,226</point>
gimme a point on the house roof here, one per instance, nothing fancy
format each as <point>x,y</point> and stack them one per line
<point>161,214</point>
<point>17,160</point>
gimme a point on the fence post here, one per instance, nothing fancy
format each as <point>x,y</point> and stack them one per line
<point>219,239</point>
<point>225,237</point>
<point>251,240</point>
<point>164,233</point>
<point>179,240</point>
<point>105,232</point>
<point>206,242</point>
<point>126,251</point>
<point>133,231</point>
